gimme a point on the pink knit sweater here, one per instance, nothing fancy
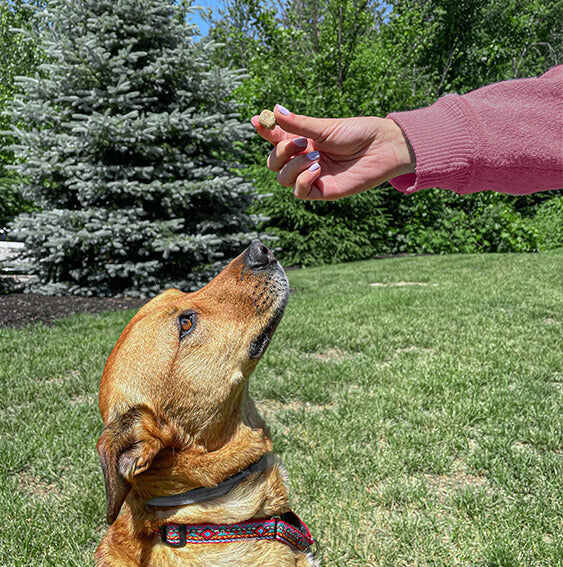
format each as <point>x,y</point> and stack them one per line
<point>506,137</point>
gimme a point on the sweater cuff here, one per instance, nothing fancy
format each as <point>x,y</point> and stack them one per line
<point>442,137</point>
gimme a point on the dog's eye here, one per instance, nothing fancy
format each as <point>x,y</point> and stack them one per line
<point>187,322</point>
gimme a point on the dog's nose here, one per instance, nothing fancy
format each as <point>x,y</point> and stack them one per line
<point>258,255</point>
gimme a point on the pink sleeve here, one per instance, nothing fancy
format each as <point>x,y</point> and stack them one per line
<point>506,137</point>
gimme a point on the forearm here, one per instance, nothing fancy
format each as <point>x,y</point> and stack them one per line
<point>506,137</point>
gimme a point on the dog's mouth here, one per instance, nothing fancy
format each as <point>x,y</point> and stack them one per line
<point>259,345</point>
<point>270,294</point>
<point>272,302</point>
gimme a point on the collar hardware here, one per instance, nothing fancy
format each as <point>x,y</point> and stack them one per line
<point>173,535</point>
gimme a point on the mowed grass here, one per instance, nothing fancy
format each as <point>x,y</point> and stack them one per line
<point>420,419</point>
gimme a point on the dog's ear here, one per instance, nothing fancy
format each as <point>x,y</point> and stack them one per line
<point>126,448</point>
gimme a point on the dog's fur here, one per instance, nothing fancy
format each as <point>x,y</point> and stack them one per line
<point>178,415</point>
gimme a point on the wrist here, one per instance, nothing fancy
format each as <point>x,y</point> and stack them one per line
<point>405,160</point>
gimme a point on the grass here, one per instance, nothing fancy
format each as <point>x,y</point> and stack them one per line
<point>420,418</point>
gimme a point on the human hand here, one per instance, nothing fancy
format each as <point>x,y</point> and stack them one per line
<point>330,158</point>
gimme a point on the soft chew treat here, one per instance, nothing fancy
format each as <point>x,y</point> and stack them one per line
<point>267,119</point>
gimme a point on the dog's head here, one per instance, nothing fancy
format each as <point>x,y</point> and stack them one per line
<point>179,371</point>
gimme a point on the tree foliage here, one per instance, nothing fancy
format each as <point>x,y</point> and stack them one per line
<point>18,56</point>
<point>127,140</point>
<point>310,55</point>
<point>471,44</point>
<point>356,57</point>
<point>364,57</point>
<point>313,57</point>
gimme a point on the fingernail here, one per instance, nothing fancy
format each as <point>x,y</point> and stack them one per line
<point>301,142</point>
<point>313,155</point>
<point>314,167</point>
<point>283,110</point>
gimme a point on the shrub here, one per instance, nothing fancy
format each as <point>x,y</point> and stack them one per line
<point>316,232</point>
<point>11,201</point>
<point>437,222</point>
<point>548,223</point>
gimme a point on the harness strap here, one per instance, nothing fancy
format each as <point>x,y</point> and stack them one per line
<point>287,529</point>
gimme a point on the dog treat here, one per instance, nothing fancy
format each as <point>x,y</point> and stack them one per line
<point>267,119</point>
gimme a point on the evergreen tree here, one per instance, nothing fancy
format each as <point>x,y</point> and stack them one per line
<point>128,141</point>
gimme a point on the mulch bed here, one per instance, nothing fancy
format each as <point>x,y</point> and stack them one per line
<point>20,309</point>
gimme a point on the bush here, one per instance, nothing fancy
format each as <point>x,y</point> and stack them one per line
<point>11,201</point>
<point>439,222</point>
<point>383,221</point>
<point>548,223</point>
<point>314,232</point>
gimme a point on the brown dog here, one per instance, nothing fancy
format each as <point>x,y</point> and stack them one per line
<point>187,461</point>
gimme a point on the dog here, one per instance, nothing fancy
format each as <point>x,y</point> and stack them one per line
<point>187,460</point>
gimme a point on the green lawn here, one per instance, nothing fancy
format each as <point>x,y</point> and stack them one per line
<point>420,418</point>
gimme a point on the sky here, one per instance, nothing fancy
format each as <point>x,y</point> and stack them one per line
<point>216,4</point>
<point>196,17</point>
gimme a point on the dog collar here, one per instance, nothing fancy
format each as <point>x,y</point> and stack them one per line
<point>203,494</point>
<point>287,528</point>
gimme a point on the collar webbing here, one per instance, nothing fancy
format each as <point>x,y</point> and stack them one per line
<point>203,493</point>
<point>287,528</point>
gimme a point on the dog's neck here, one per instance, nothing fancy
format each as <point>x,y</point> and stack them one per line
<point>263,495</point>
<point>177,471</point>
<point>205,494</point>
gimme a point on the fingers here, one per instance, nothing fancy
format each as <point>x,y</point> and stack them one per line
<point>315,128</point>
<point>303,187</point>
<point>291,125</point>
<point>292,157</point>
<point>273,136</point>
<point>284,151</point>
<point>288,174</point>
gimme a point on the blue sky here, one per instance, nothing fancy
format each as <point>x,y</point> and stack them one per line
<point>216,4</point>
<point>196,18</point>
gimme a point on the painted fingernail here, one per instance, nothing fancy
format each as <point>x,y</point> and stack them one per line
<point>313,155</point>
<point>314,167</point>
<point>301,142</point>
<point>283,110</point>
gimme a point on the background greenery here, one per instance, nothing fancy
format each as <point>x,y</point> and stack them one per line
<point>17,57</point>
<point>324,58</point>
<point>126,138</point>
<point>364,57</point>
<point>416,402</point>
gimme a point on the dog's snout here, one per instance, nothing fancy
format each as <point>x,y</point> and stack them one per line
<point>258,255</point>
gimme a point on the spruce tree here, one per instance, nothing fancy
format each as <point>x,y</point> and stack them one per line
<point>128,142</point>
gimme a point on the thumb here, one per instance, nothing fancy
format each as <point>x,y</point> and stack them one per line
<point>300,125</point>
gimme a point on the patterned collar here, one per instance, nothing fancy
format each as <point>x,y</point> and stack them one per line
<point>287,528</point>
